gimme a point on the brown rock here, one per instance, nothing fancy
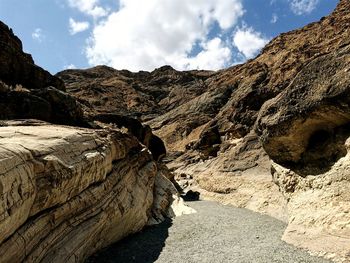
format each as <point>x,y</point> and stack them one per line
<point>17,67</point>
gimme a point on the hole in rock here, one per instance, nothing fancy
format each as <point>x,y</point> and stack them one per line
<point>318,140</point>
<point>325,147</point>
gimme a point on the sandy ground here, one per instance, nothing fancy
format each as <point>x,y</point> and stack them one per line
<point>216,233</point>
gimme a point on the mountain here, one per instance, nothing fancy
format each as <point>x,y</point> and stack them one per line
<point>269,135</point>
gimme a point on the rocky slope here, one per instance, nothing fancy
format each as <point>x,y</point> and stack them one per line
<point>222,129</point>
<point>28,91</point>
<point>67,191</point>
<point>18,67</point>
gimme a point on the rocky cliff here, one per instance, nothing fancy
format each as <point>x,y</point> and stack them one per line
<point>18,67</point>
<point>67,191</point>
<point>286,109</point>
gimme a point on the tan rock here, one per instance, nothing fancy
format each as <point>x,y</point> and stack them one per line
<point>167,201</point>
<point>67,192</point>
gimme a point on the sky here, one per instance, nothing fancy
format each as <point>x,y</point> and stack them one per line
<point>146,34</point>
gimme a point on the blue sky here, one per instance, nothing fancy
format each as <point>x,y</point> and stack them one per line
<point>145,34</point>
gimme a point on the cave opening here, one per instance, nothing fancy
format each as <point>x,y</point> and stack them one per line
<point>319,140</point>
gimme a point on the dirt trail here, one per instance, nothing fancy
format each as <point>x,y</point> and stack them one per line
<point>216,233</point>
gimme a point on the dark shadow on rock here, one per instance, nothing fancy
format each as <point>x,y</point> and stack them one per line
<point>191,196</point>
<point>142,132</point>
<point>325,147</point>
<point>142,247</point>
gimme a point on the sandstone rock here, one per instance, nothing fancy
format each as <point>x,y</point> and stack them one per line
<point>305,130</point>
<point>167,202</point>
<point>299,127</point>
<point>67,192</point>
<point>319,209</point>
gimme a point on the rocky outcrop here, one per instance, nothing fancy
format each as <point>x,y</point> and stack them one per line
<point>67,192</point>
<point>142,132</point>
<point>47,104</point>
<point>221,129</point>
<point>17,67</point>
<point>28,91</point>
<point>305,131</point>
<point>302,128</point>
<point>144,94</point>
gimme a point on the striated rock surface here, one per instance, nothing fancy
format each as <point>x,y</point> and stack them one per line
<point>67,192</point>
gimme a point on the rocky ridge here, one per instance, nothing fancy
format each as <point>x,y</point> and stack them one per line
<point>67,191</point>
<point>286,109</point>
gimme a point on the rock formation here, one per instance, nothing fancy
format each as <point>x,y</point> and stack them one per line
<point>67,191</point>
<point>271,135</point>
<point>18,67</point>
<point>288,107</point>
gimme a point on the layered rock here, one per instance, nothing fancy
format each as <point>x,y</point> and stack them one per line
<point>47,104</point>
<point>104,90</point>
<point>67,192</point>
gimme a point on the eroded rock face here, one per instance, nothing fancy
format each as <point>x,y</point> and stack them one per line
<point>17,67</point>
<point>67,192</point>
<point>305,130</point>
<point>292,100</point>
<point>47,104</point>
<point>142,132</point>
<point>301,128</point>
<point>319,209</point>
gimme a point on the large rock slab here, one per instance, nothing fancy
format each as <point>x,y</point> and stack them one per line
<point>67,192</point>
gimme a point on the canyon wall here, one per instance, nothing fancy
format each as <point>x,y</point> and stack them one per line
<point>269,135</point>
<point>68,191</point>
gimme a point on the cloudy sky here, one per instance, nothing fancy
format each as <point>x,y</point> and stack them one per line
<point>146,34</point>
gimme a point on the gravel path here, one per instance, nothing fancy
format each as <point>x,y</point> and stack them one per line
<point>216,233</point>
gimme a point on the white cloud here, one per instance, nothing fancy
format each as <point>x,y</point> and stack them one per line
<point>38,35</point>
<point>214,55</point>
<point>70,66</point>
<point>300,7</point>
<point>76,27</point>
<point>143,35</point>
<point>89,7</point>
<point>274,18</point>
<point>249,42</point>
